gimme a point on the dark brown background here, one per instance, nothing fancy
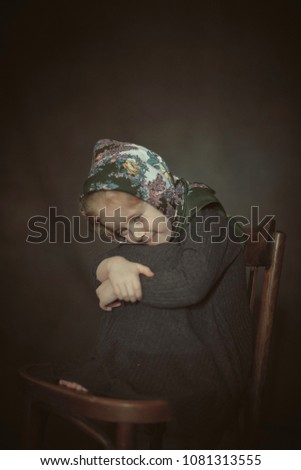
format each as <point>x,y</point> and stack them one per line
<point>212,86</point>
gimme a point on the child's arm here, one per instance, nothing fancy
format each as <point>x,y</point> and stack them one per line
<point>199,267</point>
<point>124,277</point>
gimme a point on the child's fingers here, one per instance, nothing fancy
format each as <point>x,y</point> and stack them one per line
<point>128,291</point>
<point>145,270</point>
<point>109,308</point>
<point>124,294</point>
<point>106,308</point>
<point>137,289</point>
<point>117,290</point>
<point>72,385</point>
<point>115,304</point>
<point>132,290</point>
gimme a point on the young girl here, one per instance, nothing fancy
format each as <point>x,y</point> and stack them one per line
<point>175,321</point>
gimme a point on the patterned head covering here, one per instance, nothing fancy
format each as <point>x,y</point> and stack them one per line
<point>134,169</point>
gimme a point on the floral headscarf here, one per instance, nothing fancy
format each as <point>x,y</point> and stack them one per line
<point>134,169</point>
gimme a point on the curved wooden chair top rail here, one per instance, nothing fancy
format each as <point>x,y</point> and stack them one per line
<point>259,246</point>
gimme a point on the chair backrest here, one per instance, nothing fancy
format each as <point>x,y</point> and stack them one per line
<point>263,251</point>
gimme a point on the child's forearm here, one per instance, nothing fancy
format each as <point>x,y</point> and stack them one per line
<point>103,269</point>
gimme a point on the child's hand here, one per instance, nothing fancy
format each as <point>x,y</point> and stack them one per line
<point>124,276</point>
<point>73,385</point>
<point>107,297</point>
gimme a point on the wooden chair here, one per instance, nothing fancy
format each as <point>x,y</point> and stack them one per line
<point>80,408</point>
<point>264,253</point>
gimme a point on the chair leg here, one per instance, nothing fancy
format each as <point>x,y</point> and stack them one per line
<point>34,425</point>
<point>125,435</point>
<point>157,431</point>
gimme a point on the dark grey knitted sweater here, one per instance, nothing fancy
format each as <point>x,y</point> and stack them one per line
<point>188,340</point>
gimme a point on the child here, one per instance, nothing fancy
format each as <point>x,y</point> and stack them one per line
<point>175,322</point>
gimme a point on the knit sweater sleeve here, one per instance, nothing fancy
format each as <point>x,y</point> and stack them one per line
<point>206,253</point>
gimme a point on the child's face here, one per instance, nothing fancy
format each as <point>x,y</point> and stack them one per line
<point>129,217</point>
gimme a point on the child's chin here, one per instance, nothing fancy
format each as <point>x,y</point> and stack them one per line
<point>155,242</point>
